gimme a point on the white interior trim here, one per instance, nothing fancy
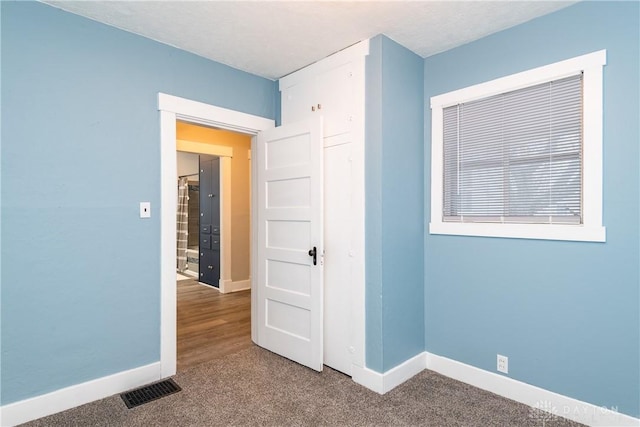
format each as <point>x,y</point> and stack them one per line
<point>253,229</point>
<point>535,397</point>
<point>168,206</point>
<point>210,115</point>
<point>171,109</point>
<point>353,53</point>
<point>203,148</point>
<point>367,378</point>
<point>383,383</point>
<point>579,233</point>
<point>226,230</point>
<point>592,229</point>
<point>76,395</point>
<point>527,78</point>
<point>530,395</point>
<point>227,286</point>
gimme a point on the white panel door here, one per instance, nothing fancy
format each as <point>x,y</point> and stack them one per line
<point>338,282</point>
<point>330,94</point>
<point>335,90</point>
<point>299,102</point>
<point>290,228</point>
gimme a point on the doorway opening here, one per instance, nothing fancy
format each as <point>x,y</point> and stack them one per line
<point>173,110</point>
<point>213,306</point>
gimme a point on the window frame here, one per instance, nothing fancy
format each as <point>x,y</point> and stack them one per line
<point>591,229</point>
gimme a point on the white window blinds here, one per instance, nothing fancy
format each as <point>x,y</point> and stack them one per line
<point>516,157</point>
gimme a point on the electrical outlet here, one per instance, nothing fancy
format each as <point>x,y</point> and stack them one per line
<point>503,364</point>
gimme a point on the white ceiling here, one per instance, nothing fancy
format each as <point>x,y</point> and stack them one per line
<point>274,38</point>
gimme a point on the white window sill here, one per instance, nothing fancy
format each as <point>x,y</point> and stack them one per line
<point>579,233</point>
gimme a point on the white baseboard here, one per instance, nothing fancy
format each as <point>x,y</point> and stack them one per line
<point>536,397</point>
<point>190,273</point>
<point>553,403</point>
<point>227,286</point>
<point>367,378</point>
<point>76,395</point>
<point>383,383</point>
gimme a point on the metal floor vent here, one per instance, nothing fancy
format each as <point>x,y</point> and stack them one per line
<point>150,392</point>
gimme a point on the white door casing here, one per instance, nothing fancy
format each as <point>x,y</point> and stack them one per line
<point>174,108</point>
<point>289,283</point>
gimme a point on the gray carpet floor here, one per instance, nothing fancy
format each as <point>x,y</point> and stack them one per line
<point>255,387</point>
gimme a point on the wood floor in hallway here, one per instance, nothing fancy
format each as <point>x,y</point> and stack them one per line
<point>211,324</point>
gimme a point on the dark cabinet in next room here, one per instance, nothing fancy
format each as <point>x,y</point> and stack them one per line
<point>210,220</point>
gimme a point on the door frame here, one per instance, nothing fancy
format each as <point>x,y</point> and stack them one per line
<point>174,108</point>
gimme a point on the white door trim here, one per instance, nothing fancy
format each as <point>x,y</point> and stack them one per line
<point>197,147</point>
<point>172,108</point>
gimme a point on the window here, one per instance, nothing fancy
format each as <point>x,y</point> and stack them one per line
<point>521,156</point>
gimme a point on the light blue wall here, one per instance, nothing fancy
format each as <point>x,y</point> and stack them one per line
<point>80,150</point>
<point>394,205</point>
<point>565,313</point>
<point>80,137</point>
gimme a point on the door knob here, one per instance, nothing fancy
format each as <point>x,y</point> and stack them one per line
<point>313,253</point>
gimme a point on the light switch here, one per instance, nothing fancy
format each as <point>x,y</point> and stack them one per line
<point>145,209</point>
